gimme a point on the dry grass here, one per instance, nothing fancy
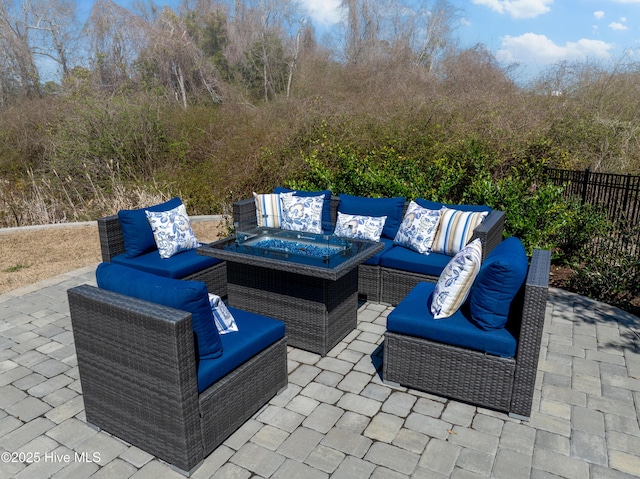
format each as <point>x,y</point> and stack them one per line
<point>31,255</point>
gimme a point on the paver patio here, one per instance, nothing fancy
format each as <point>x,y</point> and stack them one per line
<point>336,418</point>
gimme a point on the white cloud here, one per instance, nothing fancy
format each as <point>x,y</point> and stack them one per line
<point>533,48</point>
<point>617,26</point>
<point>323,12</point>
<point>517,8</point>
<point>599,15</point>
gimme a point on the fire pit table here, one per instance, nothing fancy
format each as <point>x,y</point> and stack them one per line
<point>310,281</point>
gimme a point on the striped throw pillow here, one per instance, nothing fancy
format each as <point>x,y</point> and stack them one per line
<point>268,209</point>
<point>455,230</point>
<point>455,281</point>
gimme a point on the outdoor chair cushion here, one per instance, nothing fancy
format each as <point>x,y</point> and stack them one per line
<point>501,276</point>
<point>189,296</point>
<point>255,333</point>
<point>327,224</point>
<point>413,317</point>
<point>136,231</point>
<point>178,266</point>
<point>406,259</point>
<point>392,208</point>
<point>375,259</point>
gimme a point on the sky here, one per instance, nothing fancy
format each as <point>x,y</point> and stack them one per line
<point>536,33</point>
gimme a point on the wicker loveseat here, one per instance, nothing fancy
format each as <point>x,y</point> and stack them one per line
<point>381,278</point>
<point>153,378</point>
<point>453,357</point>
<point>127,239</point>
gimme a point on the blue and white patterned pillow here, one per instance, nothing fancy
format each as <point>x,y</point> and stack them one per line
<point>418,229</point>
<point>359,227</point>
<point>172,231</point>
<point>300,213</point>
<point>456,279</point>
<point>456,230</point>
<point>225,322</point>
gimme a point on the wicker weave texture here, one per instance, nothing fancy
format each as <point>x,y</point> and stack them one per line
<point>505,384</point>
<point>232,400</point>
<point>369,282</point>
<point>138,373</point>
<point>449,371</point>
<point>318,313</point>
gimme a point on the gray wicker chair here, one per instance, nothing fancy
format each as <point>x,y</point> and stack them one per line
<point>137,368</point>
<point>504,384</point>
<point>112,244</point>
<point>386,285</point>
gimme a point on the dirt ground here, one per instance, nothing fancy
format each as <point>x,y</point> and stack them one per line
<point>31,255</point>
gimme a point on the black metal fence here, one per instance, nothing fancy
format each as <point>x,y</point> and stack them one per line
<point>618,196</point>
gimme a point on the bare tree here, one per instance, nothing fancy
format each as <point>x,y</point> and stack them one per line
<point>117,36</point>
<point>178,63</point>
<point>15,34</point>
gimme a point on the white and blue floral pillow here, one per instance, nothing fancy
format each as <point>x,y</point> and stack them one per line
<point>172,231</point>
<point>418,229</point>
<point>359,227</point>
<point>301,213</point>
<point>455,281</point>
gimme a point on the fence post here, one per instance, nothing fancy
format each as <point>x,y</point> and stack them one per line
<point>585,182</point>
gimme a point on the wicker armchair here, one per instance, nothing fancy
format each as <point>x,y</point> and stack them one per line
<point>505,384</point>
<point>137,367</point>
<point>112,244</point>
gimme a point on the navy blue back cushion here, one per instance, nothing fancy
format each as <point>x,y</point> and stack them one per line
<point>327,225</point>
<point>136,231</point>
<point>392,208</point>
<point>189,296</point>
<point>499,279</point>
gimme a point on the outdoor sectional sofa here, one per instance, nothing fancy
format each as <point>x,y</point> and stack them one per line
<point>156,373</point>
<point>127,239</point>
<point>389,275</point>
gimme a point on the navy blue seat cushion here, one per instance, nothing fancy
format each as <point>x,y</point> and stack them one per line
<point>327,224</point>
<point>178,266</point>
<point>413,317</point>
<point>255,333</point>
<point>136,231</point>
<point>406,259</point>
<point>392,208</point>
<point>434,205</point>
<point>375,259</point>
<point>501,276</point>
<point>189,296</point>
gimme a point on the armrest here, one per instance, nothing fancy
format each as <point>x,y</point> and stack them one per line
<point>111,239</point>
<point>490,231</point>
<point>531,326</point>
<point>244,212</point>
<point>138,372</point>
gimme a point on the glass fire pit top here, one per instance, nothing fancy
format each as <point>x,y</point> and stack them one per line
<point>293,246</point>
